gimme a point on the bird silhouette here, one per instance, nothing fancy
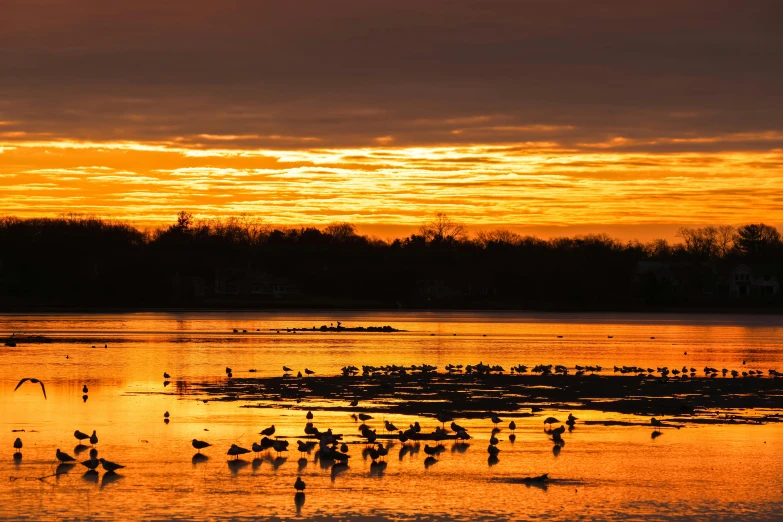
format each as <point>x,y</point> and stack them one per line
<point>110,466</point>
<point>18,445</point>
<point>200,444</point>
<point>309,371</point>
<point>94,438</point>
<point>299,485</point>
<point>286,369</point>
<point>34,381</point>
<point>63,457</point>
<point>84,389</point>
<point>268,431</point>
<point>80,436</point>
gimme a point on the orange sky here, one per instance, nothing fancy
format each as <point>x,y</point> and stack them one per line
<point>545,117</point>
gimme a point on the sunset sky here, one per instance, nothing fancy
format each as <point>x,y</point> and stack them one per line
<point>546,116</point>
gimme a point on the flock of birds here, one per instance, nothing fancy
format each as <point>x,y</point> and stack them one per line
<point>67,461</point>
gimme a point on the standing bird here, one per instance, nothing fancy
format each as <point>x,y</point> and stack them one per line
<point>94,438</point>
<point>166,375</point>
<point>63,457</point>
<point>84,389</point>
<point>80,436</point>
<point>512,426</point>
<point>110,466</point>
<point>364,417</point>
<point>92,463</point>
<point>18,445</point>
<point>34,381</point>
<point>390,427</point>
<point>166,415</point>
<point>309,415</point>
<point>299,485</point>
<point>235,451</point>
<point>286,369</point>
<point>268,431</point>
<point>199,444</point>
<point>308,371</point>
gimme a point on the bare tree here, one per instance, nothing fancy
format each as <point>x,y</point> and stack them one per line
<point>724,239</point>
<point>499,235</point>
<point>340,230</point>
<point>442,228</point>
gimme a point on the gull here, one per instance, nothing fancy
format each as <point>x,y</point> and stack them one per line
<point>34,381</point>
<point>456,427</point>
<point>390,427</point>
<point>309,371</point>
<point>299,485</point>
<point>235,451</point>
<point>63,457</point>
<point>84,389</point>
<point>110,466</point>
<point>166,375</point>
<point>18,444</point>
<point>286,369</point>
<point>309,415</point>
<point>93,438</point>
<point>268,431</point>
<point>257,448</point>
<point>200,444</point>
<point>80,436</point>
<point>355,402</point>
<point>364,417</point>
<point>512,426</point>
<point>166,415</point>
<point>493,450</point>
<point>91,464</point>
<point>495,419</point>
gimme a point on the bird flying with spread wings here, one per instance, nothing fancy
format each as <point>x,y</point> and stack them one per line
<point>34,381</point>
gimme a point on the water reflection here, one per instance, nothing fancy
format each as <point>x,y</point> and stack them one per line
<point>80,448</point>
<point>91,476</point>
<point>110,477</point>
<point>199,458</point>
<point>299,500</point>
<point>377,469</point>
<point>338,469</point>
<point>236,465</point>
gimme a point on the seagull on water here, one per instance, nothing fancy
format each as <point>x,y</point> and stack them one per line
<point>200,444</point>
<point>110,466</point>
<point>299,485</point>
<point>309,371</point>
<point>80,436</point>
<point>63,457</point>
<point>286,369</point>
<point>268,431</point>
<point>18,445</point>
<point>235,451</point>
<point>34,381</point>
<point>84,389</point>
<point>94,438</point>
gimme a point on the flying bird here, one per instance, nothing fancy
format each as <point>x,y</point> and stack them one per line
<point>34,381</point>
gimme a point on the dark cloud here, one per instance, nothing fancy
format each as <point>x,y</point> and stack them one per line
<point>347,73</point>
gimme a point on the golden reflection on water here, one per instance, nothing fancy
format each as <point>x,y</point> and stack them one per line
<point>601,472</point>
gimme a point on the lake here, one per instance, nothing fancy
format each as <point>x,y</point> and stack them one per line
<point>706,470</point>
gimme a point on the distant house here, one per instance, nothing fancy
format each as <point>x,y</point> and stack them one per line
<point>754,281</point>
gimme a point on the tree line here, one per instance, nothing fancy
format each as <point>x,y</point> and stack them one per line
<point>79,260</point>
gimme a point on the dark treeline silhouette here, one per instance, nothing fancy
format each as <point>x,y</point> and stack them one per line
<point>77,261</point>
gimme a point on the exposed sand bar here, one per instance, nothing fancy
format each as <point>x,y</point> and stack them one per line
<point>700,400</point>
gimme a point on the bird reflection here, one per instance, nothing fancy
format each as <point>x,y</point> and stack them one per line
<point>110,477</point>
<point>64,468</point>
<point>80,448</point>
<point>338,469</point>
<point>256,463</point>
<point>536,484</point>
<point>199,458</point>
<point>460,447</point>
<point>302,464</point>
<point>235,465</point>
<point>299,500</point>
<point>512,438</point>
<point>84,398</point>
<point>17,460</point>
<point>377,469</point>
<point>556,450</point>
<point>492,460</point>
<point>91,476</point>
<point>655,434</point>
<point>429,461</point>
<point>277,462</point>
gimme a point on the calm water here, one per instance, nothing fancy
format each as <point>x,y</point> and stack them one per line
<point>603,472</point>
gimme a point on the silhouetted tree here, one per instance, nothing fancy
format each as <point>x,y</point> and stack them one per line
<point>757,240</point>
<point>442,229</point>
